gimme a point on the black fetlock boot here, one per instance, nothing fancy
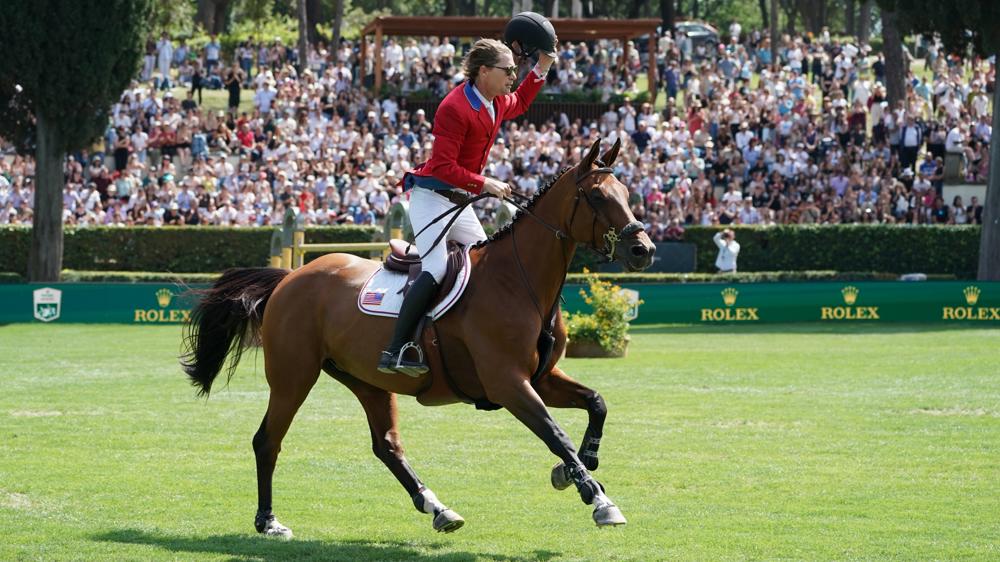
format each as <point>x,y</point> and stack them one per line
<point>413,308</point>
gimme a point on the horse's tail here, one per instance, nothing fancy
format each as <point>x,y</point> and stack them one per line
<point>226,320</point>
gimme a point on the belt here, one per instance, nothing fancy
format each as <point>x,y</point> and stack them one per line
<point>455,196</point>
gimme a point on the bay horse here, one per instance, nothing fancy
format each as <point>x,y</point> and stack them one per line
<point>308,321</point>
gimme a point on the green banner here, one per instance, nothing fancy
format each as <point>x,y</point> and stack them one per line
<point>945,301</point>
<point>920,302</point>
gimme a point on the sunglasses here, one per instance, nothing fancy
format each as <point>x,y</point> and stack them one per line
<point>510,70</point>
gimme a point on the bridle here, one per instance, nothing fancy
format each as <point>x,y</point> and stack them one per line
<point>611,238</point>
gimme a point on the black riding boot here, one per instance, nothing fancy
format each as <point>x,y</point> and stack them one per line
<point>414,307</point>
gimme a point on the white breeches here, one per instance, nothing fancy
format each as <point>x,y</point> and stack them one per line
<point>425,206</point>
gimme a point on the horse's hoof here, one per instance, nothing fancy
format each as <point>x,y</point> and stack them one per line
<point>276,529</point>
<point>448,521</point>
<point>609,515</point>
<point>560,477</point>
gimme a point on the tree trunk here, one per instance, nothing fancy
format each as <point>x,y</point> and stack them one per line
<point>849,9</point>
<point>667,13</point>
<point>633,9</point>
<point>206,14</point>
<point>865,22</point>
<point>764,21</point>
<point>314,15</point>
<point>338,22</point>
<point>694,9</point>
<point>451,7</point>
<point>774,32</point>
<point>892,46</point>
<point>809,10</point>
<point>790,12</point>
<point>550,6</point>
<point>989,244</point>
<point>303,36</point>
<point>45,259</point>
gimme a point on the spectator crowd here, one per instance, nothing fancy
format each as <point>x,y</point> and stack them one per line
<point>807,139</point>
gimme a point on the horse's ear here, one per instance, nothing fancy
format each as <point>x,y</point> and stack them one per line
<point>611,155</point>
<point>588,160</point>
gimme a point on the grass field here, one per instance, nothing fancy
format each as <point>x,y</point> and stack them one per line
<point>757,443</point>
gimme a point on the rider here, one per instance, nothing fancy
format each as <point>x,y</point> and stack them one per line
<point>465,126</point>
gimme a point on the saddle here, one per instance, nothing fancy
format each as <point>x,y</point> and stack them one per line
<point>404,258</point>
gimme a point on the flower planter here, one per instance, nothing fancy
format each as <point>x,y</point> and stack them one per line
<point>590,348</point>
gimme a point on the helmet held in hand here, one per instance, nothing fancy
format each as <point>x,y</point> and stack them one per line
<point>532,32</point>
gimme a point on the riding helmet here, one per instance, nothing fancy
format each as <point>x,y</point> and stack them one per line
<point>532,31</point>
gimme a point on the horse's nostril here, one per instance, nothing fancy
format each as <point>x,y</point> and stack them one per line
<point>639,250</point>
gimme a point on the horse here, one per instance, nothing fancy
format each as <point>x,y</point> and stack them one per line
<point>307,321</point>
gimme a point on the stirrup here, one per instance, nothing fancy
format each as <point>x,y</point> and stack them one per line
<point>397,363</point>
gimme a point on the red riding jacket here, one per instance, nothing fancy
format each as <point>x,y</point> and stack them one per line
<point>464,135</point>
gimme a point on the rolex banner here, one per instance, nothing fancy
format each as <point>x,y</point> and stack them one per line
<point>863,302</point>
<point>966,302</point>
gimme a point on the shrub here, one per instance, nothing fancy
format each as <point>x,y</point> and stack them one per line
<point>165,249</point>
<point>608,324</point>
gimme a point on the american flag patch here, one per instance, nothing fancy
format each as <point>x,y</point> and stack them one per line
<point>373,298</point>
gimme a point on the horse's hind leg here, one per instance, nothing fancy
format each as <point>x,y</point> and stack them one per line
<point>558,390</point>
<point>291,375</point>
<point>380,407</point>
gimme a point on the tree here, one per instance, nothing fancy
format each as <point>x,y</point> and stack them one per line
<point>895,63</point>
<point>865,22</point>
<point>965,25</point>
<point>774,32</point>
<point>303,46</point>
<point>171,16</point>
<point>338,22</point>
<point>667,14</point>
<point>56,86</point>
<point>212,15</point>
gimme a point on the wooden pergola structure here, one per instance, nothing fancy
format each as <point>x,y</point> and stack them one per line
<point>459,26</point>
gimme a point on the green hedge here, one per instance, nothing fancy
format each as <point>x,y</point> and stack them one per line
<point>948,250</point>
<point>168,249</point>
<point>952,250</point>
<point>752,277</point>
<point>75,276</point>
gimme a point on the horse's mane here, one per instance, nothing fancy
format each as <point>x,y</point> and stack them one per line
<point>503,232</point>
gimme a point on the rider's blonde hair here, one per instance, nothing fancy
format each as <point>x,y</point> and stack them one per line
<point>485,52</point>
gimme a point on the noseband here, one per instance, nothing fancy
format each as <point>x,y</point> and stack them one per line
<point>611,238</point>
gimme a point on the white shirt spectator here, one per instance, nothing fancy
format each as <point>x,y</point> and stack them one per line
<point>728,251</point>
<point>953,142</point>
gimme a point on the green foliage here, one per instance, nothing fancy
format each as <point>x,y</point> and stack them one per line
<point>608,324</point>
<point>892,249</point>
<point>72,60</point>
<point>176,17</point>
<point>889,248</point>
<point>166,249</point>
<point>745,277</point>
<point>959,23</point>
<point>74,276</point>
<point>8,277</point>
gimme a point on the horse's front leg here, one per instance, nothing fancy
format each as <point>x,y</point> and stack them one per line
<point>527,406</point>
<point>558,390</point>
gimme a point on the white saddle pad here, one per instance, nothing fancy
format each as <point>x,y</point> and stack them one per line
<point>382,294</point>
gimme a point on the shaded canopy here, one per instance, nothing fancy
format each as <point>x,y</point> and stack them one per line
<point>567,29</point>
